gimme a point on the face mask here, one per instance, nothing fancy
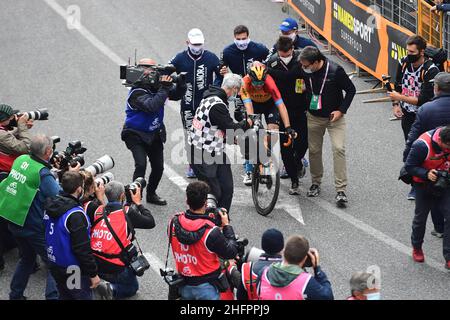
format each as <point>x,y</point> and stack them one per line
<point>196,50</point>
<point>233,97</point>
<point>291,36</point>
<point>242,44</point>
<point>373,296</point>
<point>412,58</point>
<point>307,70</point>
<point>286,60</point>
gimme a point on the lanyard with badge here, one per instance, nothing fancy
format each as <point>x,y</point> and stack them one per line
<point>316,99</point>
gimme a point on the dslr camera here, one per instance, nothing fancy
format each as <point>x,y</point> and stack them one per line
<point>140,74</point>
<point>212,211</point>
<point>71,156</point>
<point>105,179</point>
<point>174,280</point>
<point>443,181</point>
<point>139,183</point>
<point>101,165</point>
<point>134,258</point>
<point>38,114</point>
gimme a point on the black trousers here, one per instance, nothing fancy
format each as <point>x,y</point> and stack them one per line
<point>220,179</point>
<point>155,153</point>
<point>440,206</point>
<point>407,122</point>
<point>292,155</point>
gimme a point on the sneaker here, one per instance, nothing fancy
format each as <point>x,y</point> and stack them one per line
<point>283,173</point>
<point>437,234</point>
<point>190,174</point>
<point>248,179</point>
<point>341,197</point>
<point>294,190</point>
<point>313,191</point>
<point>418,255</point>
<point>104,291</point>
<point>155,199</point>
<point>412,194</point>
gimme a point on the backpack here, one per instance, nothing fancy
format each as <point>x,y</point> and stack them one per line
<point>438,56</point>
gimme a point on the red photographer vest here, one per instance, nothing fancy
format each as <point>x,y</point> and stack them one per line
<point>194,260</point>
<point>438,161</point>
<point>103,244</point>
<point>251,289</point>
<point>6,161</point>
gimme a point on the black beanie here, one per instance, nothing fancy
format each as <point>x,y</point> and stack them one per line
<point>272,241</point>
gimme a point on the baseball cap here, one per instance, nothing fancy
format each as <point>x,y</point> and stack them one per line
<point>288,24</point>
<point>6,111</point>
<point>195,36</point>
<point>272,241</point>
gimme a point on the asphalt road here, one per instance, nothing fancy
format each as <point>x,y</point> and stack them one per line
<point>75,74</point>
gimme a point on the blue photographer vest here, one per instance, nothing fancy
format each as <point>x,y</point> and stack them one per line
<point>140,120</point>
<point>57,238</point>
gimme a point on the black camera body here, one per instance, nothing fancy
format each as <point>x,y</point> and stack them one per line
<point>139,183</point>
<point>71,156</point>
<point>174,280</point>
<point>212,211</point>
<point>443,181</point>
<point>139,264</point>
<point>140,74</point>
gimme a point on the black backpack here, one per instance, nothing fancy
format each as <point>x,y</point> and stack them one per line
<point>438,56</point>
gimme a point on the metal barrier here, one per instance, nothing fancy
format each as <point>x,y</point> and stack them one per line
<point>401,12</point>
<point>430,24</point>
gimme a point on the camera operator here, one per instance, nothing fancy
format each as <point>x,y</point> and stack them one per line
<point>429,164</point>
<point>198,244</point>
<point>94,194</point>
<point>23,205</point>
<point>144,132</point>
<point>208,138</point>
<point>114,258</point>
<point>13,141</point>
<point>288,280</point>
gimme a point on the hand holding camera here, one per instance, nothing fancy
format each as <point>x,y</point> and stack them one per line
<point>166,81</point>
<point>224,217</point>
<point>136,196</point>
<point>313,260</point>
<point>432,175</point>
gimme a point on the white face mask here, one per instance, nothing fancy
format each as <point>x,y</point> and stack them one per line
<point>307,70</point>
<point>291,36</point>
<point>242,44</point>
<point>196,50</point>
<point>286,60</point>
<point>373,296</point>
<point>233,97</point>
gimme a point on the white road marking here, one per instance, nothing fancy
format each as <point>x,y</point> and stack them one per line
<point>180,181</point>
<point>155,263</point>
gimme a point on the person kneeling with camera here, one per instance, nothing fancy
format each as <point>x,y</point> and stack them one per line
<point>112,235</point>
<point>198,244</point>
<point>429,164</point>
<point>288,280</point>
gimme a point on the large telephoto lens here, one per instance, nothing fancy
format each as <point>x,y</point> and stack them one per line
<point>105,178</point>
<point>101,165</point>
<point>39,114</point>
<point>138,183</point>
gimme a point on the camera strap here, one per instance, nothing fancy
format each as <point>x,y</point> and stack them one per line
<point>170,240</point>
<point>110,228</point>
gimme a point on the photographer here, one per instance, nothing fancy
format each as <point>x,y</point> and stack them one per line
<point>24,208</point>
<point>13,141</point>
<point>197,244</point>
<point>67,238</point>
<point>144,132</point>
<point>288,280</point>
<point>208,138</point>
<point>429,164</point>
<point>114,258</point>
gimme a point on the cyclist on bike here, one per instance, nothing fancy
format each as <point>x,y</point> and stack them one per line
<point>260,95</point>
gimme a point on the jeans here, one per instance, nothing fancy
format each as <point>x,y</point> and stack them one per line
<point>204,291</point>
<point>407,122</point>
<point>125,284</point>
<point>30,247</point>
<point>220,179</point>
<point>61,277</point>
<point>426,202</point>
<point>155,154</point>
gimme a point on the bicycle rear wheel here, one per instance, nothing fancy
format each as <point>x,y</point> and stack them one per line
<point>265,188</point>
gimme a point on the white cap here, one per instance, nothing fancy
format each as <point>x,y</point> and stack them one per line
<point>195,36</point>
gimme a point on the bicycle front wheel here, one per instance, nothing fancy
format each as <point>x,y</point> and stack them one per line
<point>265,188</point>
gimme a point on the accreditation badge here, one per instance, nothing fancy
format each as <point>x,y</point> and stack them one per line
<point>299,86</point>
<point>316,102</point>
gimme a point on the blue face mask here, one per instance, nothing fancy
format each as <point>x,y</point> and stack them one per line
<point>373,296</point>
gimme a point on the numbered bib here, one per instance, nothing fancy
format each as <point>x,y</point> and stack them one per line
<point>316,103</point>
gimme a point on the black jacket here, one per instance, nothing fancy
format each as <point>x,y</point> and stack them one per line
<point>77,225</point>
<point>433,114</point>
<point>337,82</point>
<point>137,217</point>
<point>286,77</point>
<point>222,243</point>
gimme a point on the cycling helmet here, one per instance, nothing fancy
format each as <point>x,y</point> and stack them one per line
<point>257,72</point>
